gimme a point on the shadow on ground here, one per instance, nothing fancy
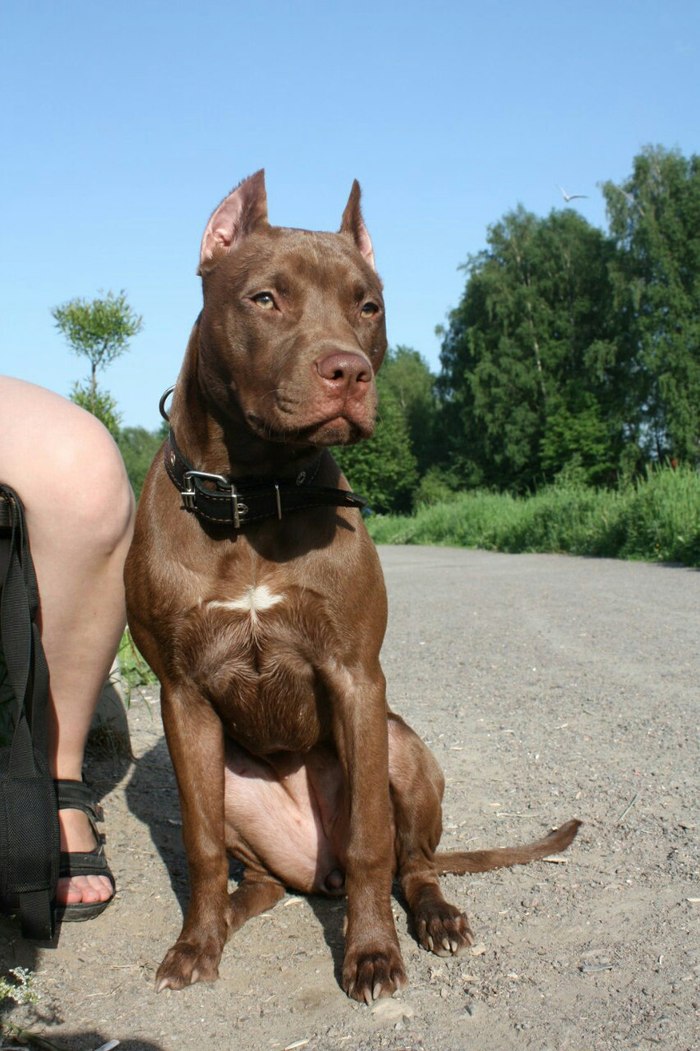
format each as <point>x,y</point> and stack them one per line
<point>151,796</point>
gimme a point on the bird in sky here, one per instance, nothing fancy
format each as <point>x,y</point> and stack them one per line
<point>572,196</point>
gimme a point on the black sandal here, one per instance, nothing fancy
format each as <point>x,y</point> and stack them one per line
<point>76,795</point>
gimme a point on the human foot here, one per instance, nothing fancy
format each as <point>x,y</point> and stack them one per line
<point>86,885</point>
<point>77,836</point>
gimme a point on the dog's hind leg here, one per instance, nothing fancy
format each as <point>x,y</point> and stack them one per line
<point>257,892</point>
<point>417,786</point>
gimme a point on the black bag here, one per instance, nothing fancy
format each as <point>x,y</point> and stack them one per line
<point>29,836</point>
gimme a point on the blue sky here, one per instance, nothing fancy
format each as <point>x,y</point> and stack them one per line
<point>123,125</point>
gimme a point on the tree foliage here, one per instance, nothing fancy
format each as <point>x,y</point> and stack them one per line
<point>529,348</point>
<point>654,219</point>
<point>138,447</point>
<point>101,404</point>
<point>383,468</point>
<point>386,468</point>
<point>577,351</point>
<point>98,329</point>
<point>407,376</point>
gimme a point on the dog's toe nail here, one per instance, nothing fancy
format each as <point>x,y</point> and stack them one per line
<point>431,944</point>
<point>377,991</point>
<point>454,946</point>
<point>446,944</point>
<point>368,995</point>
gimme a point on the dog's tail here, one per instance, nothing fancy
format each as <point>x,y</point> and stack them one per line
<point>460,861</point>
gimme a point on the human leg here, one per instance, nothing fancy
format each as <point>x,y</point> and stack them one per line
<point>79,508</point>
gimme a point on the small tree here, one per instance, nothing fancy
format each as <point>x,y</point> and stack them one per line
<point>101,404</point>
<point>99,330</point>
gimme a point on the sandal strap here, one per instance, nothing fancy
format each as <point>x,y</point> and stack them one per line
<point>76,795</point>
<point>86,863</point>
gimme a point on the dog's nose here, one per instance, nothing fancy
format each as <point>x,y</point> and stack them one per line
<point>344,370</point>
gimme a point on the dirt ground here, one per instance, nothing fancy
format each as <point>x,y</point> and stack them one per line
<point>548,687</point>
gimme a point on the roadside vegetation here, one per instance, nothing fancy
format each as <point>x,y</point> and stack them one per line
<point>655,518</point>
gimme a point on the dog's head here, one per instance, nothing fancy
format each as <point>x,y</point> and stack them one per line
<point>292,330</point>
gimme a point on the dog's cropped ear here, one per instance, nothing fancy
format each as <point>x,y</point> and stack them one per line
<point>352,223</point>
<point>239,214</point>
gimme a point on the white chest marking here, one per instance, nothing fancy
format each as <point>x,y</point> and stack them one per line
<point>254,600</point>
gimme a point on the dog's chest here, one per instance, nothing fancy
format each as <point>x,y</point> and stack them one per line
<point>256,653</point>
<point>253,601</point>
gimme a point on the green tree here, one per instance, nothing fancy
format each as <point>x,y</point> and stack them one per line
<point>100,330</point>
<point>101,404</point>
<point>407,375</point>
<point>383,469</point>
<point>576,442</point>
<point>138,447</point>
<point>529,348</point>
<point>654,218</point>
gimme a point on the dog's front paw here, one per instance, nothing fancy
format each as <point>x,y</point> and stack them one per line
<point>188,962</point>
<point>443,929</point>
<point>368,975</point>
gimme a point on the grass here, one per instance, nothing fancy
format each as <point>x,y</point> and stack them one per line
<point>654,519</point>
<point>134,670</point>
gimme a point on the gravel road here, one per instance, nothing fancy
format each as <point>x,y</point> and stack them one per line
<point>548,687</point>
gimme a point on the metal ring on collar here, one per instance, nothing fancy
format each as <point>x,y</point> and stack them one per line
<point>161,404</point>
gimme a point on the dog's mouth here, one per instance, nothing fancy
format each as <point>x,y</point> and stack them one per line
<point>339,431</point>
<point>335,430</point>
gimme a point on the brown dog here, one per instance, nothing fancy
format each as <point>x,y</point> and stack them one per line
<point>257,597</point>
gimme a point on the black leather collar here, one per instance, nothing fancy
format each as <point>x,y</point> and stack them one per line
<point>223,501</point>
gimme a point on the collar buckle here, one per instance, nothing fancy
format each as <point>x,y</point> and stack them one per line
<point>189,493</point>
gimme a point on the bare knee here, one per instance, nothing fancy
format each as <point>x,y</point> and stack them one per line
<point>93,508</point>
<point>102,502</point>
<point>67,470</point>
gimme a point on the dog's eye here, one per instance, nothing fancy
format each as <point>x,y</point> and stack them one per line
<point>369,309</point>
<point>266,300</point>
